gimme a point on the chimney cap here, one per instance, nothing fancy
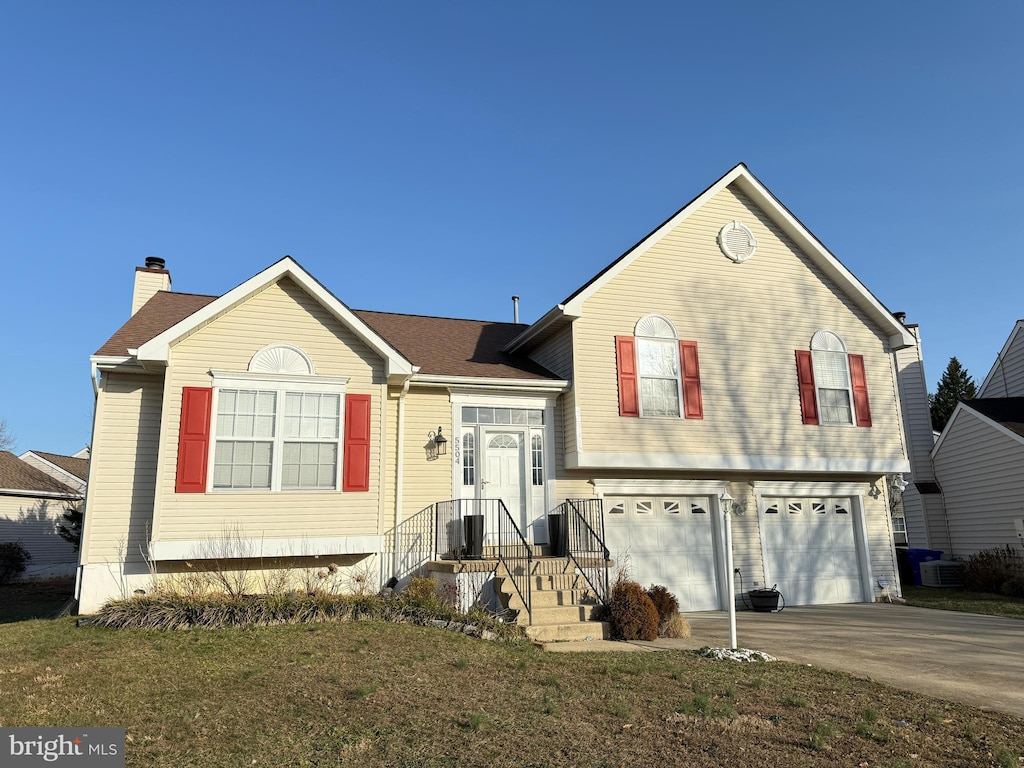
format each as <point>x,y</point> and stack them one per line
<point>901,316</point>
<point>155,262</point>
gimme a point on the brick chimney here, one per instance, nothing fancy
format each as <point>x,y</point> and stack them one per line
<point>148,280</point>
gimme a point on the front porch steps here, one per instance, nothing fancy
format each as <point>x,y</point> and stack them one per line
<point>562,604</point>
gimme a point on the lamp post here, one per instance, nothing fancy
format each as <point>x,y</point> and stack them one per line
<point>725,500</point>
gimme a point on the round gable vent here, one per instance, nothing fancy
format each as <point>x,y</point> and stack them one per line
<point>737,241</point>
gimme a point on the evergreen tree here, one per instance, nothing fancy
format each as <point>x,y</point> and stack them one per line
<point>955,385</point>
<point>71,529</point>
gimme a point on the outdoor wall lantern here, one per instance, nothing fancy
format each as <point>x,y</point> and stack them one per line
<point>438,444</point>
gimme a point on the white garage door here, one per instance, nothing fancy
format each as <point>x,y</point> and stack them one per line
<point>811,546</point>
<point>669,541</point>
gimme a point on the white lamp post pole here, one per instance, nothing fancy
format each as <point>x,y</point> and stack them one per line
<point>726,501</point>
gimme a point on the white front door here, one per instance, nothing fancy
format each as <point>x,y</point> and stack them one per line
<point>503,475</point>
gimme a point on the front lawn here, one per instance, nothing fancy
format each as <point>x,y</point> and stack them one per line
<point>962,600</point>
<point>35,599</point>
<point>374,694</point>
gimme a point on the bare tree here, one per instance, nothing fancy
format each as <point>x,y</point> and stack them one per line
<point>6,438</point>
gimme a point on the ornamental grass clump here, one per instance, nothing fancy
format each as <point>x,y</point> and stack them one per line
<point>163,609</point>
<point>633,615</point>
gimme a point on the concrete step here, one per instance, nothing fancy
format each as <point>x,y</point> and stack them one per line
<point>561,614</point>
<point>552,597</point>
<point>558,581</point>
<point>581,630</point>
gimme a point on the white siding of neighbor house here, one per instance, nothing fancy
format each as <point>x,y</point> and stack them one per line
<point>1006,379</point>
<point>979,469</point>
<point>281,313</point>
<point>747,319</point>
<point>32,522</point>
<point>119,512</point>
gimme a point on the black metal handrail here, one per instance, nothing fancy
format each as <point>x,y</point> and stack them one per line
<point>455,533</point>
<point>587,550</point>
<point>515,554</point>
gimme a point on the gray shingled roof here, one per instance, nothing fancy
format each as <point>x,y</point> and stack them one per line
<point>16,475</point>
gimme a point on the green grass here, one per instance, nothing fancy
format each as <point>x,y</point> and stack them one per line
<point>369,693</point>
<point>962,600</point>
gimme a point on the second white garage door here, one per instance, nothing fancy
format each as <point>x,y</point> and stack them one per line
<point>812,552</point>
<point>667,540</point>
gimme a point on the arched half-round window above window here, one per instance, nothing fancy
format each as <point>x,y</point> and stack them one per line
<point>832,377</point>
<point>657,360</point>
<point>281,358</point>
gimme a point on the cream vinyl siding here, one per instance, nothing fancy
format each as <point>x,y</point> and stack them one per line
<point>282,313</point>
<point>555,354</point>
<point>747,320</point>
<point>979,469</point>
<point>32,522</point>
<point>146,286</point>
<point>426,482</point>
<point>119,511</point>
<point>878,523</point>
<point>1007,379</point>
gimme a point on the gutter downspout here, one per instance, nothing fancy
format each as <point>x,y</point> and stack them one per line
<point>399,477</point>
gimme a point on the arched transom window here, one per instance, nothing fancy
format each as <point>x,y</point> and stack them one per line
<point>832,377</point>
<point>657,358</point>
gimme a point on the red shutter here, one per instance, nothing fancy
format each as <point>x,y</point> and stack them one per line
<point>808,395</point>
<point>693,406</point>
<point>861,408</point>
<point>625,361</point>
<point>193,439</point>
<point>356,473</point>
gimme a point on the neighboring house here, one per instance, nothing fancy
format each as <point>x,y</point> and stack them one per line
<point>32,503</point>
<point>71,470</point>
<point>728,350</point>
<point>977,463</point>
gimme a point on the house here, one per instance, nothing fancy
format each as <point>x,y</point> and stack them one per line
<point>728,350</point>
<point>976,464</point>
<point>32,503</point>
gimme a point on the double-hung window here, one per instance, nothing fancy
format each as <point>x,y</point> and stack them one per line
<point>658,375</point>
<point>277,435</point>
<point>833,384</point>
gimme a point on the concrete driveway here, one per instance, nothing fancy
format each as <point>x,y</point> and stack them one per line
<point>964,657</point>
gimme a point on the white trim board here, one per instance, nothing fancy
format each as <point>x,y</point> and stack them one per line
<point>999,361</point>
<point>200,549</point>
<point>158,348</point>
<point>632,487</point>
<point>679,461</point>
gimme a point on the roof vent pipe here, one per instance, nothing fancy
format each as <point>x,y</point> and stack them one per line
<point>515,309</point>
<point>155,262</point>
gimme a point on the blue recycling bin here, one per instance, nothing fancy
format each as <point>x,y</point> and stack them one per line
<point>918,556</point>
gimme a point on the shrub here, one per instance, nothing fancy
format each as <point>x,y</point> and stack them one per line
<point>674,626</point>
<point>13,560</point>
<point>990,569</point>
<point>664,601</point>
<point>633,615</point>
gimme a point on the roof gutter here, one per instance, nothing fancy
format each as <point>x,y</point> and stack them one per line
<point>552,317</point>
<point>534,385</point>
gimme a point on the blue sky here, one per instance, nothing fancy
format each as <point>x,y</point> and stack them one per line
<point>520,147</point>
